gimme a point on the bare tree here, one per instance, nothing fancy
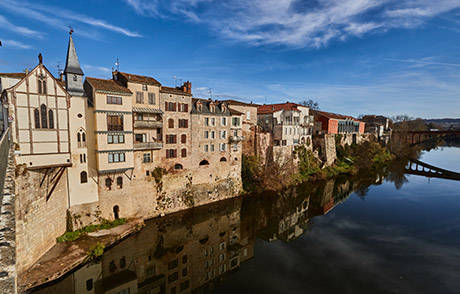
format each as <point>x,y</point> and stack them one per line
<point>310,104</point>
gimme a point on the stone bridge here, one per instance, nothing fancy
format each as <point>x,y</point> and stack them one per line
<point>417,167</point>
<point>415,137</point>
<point>7,217</point>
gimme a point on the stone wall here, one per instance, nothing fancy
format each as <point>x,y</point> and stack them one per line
<point>325,145</point>
<point>8,277</point>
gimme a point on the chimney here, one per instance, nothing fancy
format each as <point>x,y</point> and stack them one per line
<point>61,76</point>
<point>187,87</point>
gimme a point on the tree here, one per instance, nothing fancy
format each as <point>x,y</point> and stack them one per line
<point>310,104</point>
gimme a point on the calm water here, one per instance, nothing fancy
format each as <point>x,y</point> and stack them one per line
<point>390,233</point>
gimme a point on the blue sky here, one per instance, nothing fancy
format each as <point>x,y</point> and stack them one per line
<point>352,56</point>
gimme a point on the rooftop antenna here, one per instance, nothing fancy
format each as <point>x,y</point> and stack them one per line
<point>59,69</point>
<point>117,63</point>
<point>210,92</point>
<point>176,80</point>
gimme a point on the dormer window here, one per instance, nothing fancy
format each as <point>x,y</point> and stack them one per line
<point>212,108</point>
<point>199,107</point>
<point>75,78</point>
<point>144,87</point>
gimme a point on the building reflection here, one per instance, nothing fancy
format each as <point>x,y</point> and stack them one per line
<point>192,251</point>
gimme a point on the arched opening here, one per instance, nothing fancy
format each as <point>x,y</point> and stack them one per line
<point>204,162</point>
<point>116,212</point>
<point>178,166</point>
<point>170,123</point>
<point>222,159</point>
<point>51,119</point>
<point>81,138</point>
<point>308,141</point>
<point>37,118</point>
<point>108,183</point>
<point>44,118</point>
<point>83,177</point>
<point>120,182</point>
<point>302,141</point>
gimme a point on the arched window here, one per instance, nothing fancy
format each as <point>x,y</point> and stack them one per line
<point>81,138</point>
<point>44,86</point>
<point>83,177</point>
<point>108,183</point>
<point>178,166</point>
<point>40,90</point>
<point>51,119</point>
<point>170,123</point>
<point>204,162</point>
<point>37,118</point>
<point>116,212</point>
<point>223,159</point>
<point>44,118</point>
<point>120,182</point>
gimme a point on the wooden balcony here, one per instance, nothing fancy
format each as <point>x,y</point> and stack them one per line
<point>147,124</point>
<point>148,146</point>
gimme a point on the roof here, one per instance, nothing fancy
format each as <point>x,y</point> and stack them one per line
<point>72,65</point>
<point>139,79</point>
<point>18,75</point>
<point>107,86</point>
<point>235,102</point>
<point>174,91</point>
<point>271,108</point>
<point>334,115</point>
<point>234,112</point>
<point>147,110</point>
<point>206,107</point>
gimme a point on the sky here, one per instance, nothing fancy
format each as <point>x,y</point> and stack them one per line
<point>353,57</point>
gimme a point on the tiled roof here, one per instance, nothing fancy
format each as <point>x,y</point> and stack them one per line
<point>147,110</point>
<point>18,75</point>
<point>235,102</point>
<point>334,115</point>
<point>107,85</point>
<point>174,91</point>
<point>140,79</point>
<point>234,112</point>
<point>270,108</point>
<point>206,106</point>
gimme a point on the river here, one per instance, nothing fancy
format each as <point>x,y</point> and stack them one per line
<point>376,233</point>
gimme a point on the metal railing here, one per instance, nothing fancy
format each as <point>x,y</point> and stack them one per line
<point>148,145</point>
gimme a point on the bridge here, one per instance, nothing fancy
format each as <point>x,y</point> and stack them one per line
<point>415,137</point>
<point>419,168</point>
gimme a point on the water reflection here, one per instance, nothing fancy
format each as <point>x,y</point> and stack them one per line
<point>192,251</point>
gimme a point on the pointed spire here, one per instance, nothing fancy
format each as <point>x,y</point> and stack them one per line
<point>72,64</point>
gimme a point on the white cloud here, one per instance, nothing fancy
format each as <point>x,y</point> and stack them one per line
<point>59,17</point>
<point>295,23</point>
<point>15,44</point>
<point>4,23</point>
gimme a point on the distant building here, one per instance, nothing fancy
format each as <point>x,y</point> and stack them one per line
<point>333,123</point>
<point>376,124</point>
<point>290,123</point>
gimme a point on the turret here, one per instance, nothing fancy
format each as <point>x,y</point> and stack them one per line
<point>73,73</point>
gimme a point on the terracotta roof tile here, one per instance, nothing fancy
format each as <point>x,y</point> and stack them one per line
<point>139,79</point>
<point>19,75</point>
<point>270,108</point>
<point>107,85</point>
<point>334,115</point>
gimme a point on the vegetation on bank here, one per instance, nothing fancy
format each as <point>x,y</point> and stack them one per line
<point>95,251</point>
<point>351,159</point>
<point>105,224</point>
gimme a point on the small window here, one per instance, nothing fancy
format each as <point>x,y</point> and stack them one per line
<point>123,262</point>
<point>183,138</point>
<point>170,123</point>
<point>37,118</point>
<point>152,99</point>
<point>178,166</point>
<point>89,285</point>
<point>51,119</point>
<point>120,182</point>
<point>223,159</point>
<point>75,78</point>
<point>184,152</point>
<point>44,116</point>
<point>144,88</point>
<point>108,183</point>
<point>83,177</point>
<point>204,162</point>
<point>147,157</point>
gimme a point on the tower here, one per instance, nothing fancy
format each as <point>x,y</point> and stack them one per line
<point>73,73</point>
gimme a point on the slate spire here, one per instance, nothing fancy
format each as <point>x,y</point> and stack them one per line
<point>73,73</point>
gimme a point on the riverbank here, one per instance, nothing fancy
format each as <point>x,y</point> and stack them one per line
<point>66,256</point>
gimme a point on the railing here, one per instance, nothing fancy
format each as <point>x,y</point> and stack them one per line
<point>236,138</point>
<point>114,127</point>
<point>148,145</point>
<point>148,124</point>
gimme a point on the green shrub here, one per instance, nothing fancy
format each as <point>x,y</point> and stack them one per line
<point>105,224</point>
<point>95,251</point>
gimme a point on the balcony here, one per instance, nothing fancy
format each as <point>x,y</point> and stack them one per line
<point>148,145</point>
<point>147,124</point>
<point>236,138</point>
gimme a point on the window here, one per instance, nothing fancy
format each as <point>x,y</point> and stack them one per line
<point>140,116</point>
<point>171,153</point>
<point>206,121</point>
<point>115,122</point>
<point>248,115</point>
<point>223,146</point>
<point>42,86</point>
<point>37,118</point>
<point>222,268</point>
<point>75,78</point>
<point>172,264</point>
<point>178,166</point>
<point>171,139</point>
<point>213,121</point>
<point>152,98</point>
<point>173,277</point>
<point>204,162</point>
<point>183,123</point>
<point>212,108</point>
<point>223,134</point>
<point>51,119</point>
<point>170,106</point>
<point>184,152</point>
<point>234,262</point>
<point>206,134</point>
<point>147,158</point>
<point>206,148</point>
<point>223,159</point>
<point>114,100</point>
<point>184,285</point>
<point>82,158</point>
<point>213,134</point>
<point>184,272</point>
<point>123,262</point>
<point>183,138</point>
<point>144,88</point>
<point>212,148</point>
<point>115,139</point>
<point>183,107</point>
<point>140,97</point>
<point>200,107</point>
<point>116,157</point>
<point>139,138</point>
<point>222,246</point>
<point>119,182</point>
<point>222,257</point>
<point>108,183</point>
<point>223,121</point>
<point>184,259</point>
<point>170,123</point>
<point>44,117</point>
<point>235,147</point>
<point>83,177</point>
<point>89,285</point>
